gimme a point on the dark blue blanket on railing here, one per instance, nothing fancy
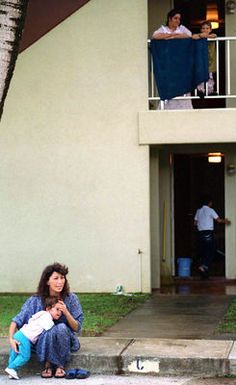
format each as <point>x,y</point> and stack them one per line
<point>179,65</point>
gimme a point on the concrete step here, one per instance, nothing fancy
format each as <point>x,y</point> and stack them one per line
<point>163,357</point>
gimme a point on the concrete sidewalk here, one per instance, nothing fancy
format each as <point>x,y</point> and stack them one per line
<point>174,316</point>
<point>167,335</point>
<point>162,357</point>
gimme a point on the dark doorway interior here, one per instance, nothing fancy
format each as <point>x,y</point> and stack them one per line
<point>193,177</point>
<point>194,12</point>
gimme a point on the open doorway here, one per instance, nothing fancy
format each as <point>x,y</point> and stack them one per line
<point>193,177</point>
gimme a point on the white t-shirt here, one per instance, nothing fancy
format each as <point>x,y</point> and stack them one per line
<point>39,322</point>
<point>205,218</point>
<point>179,29</point>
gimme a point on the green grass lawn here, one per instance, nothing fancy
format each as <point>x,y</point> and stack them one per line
<point>228,324</point>
<point>100,310</point>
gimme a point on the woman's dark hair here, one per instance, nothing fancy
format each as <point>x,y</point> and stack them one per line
<point>43,288</point>
<point>172,13</point>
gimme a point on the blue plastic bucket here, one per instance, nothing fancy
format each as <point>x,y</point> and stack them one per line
<point>184,267</point>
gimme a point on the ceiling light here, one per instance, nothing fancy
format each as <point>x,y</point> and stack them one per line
<point>212,15</point>
<point>215,157</point>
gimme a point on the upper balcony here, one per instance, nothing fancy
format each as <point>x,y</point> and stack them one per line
<point>213,117</point>
<point>224,93</point>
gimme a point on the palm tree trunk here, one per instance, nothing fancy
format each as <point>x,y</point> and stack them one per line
<point>12,18</point>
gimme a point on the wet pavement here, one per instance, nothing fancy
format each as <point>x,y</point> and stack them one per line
<point>191,286</point>
<point>185,310</point>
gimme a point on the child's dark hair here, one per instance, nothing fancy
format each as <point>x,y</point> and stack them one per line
<point>206,22</point>
<point>50,301</point>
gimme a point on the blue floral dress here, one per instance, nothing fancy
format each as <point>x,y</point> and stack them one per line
<point>56,344</point>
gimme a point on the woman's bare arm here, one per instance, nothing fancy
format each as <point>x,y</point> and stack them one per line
<point>167,36</point>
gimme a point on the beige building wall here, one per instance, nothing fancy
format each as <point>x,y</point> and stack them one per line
<point>155,218</point>
<point>165,215</point>
<point>74,180</point>
<point>230,31</point>
<point>230,193</point>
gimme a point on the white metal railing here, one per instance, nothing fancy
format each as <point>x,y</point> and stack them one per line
<point>223,58</point>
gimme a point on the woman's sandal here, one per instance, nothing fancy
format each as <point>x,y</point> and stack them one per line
<point>60,372</point>
<point>47,372</point>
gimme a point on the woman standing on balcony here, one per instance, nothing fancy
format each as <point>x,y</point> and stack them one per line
<point>174,30</point>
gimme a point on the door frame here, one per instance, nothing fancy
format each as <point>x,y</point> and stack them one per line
<point>172,205</point>
<point>162,188</point>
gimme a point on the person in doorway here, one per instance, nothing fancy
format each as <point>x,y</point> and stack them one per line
<point>54,346</point>
<point>204,220</point>
<point>28,335</point>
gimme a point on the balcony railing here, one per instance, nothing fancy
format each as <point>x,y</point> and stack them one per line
<point>225,79</point>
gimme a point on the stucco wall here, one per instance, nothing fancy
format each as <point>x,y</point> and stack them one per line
<point>155,218</point>
<point>230,30</point>
<point>197,126</point>
<point>74,180</point>
<point>230,193</point>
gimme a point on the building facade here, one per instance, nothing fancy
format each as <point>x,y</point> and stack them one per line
<point>88,172</point>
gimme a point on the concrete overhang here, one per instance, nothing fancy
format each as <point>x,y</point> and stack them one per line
<point>187,126</point>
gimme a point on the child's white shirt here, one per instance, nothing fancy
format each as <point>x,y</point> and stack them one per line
<point>39,322</point>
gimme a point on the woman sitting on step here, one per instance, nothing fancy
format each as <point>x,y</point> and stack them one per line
<point>54,346</point>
